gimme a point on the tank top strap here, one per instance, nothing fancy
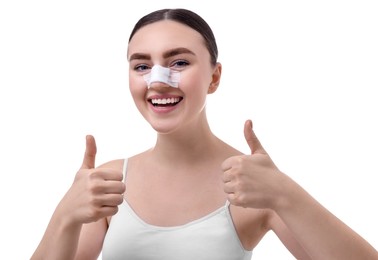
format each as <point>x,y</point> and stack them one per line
<point>124,169</point>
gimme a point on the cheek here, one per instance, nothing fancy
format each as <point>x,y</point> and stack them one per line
<point>138,92</point>
<point>195,81</point>
<point>137,87</point>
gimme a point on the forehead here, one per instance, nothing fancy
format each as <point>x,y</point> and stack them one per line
<point>166,34</point>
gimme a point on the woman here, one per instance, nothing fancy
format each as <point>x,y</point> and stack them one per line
<point>191,196</point>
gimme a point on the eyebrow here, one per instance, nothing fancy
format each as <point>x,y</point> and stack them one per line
<point>166,54</point>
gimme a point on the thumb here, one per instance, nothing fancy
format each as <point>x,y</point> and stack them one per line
<point>90,153</point>
<point>252,140</point>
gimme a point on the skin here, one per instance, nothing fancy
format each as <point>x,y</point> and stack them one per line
<point>195,164</point>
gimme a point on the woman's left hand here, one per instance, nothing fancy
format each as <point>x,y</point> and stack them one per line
<point>252,180</point>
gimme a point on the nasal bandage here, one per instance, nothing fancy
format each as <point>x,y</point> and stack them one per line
<point>164,75</point>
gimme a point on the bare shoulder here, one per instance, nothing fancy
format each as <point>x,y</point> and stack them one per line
<point>115,164</point>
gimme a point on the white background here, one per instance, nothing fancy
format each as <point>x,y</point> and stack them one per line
<point>306,72</point>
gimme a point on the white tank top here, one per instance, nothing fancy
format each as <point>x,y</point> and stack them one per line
<point>212,237</point>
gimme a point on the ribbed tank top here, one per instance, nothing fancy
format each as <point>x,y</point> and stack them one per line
<point>212,237</point>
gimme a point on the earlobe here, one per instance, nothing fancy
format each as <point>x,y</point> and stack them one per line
<point>212,88</point>
<point>215,80</point>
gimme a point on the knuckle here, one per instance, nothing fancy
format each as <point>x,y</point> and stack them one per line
<point>119,199</point>
<point>122,187</point>
<point>239,160</point>
<point>94,201</point>
<point>239,186</point>
<point>94,187</point>
<point>240,200</point>
<point>93,214</point>
<point>93,174</point>
<point>120,176</point>
<point>113,211</point>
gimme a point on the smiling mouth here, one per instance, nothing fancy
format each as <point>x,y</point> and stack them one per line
<point>165,102</point>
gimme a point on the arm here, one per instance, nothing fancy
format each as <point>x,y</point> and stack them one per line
<point>59,241</point>
<point>302,224</point>
<point>319,232</point>
<point>78,224</point>
<point>64,241</point>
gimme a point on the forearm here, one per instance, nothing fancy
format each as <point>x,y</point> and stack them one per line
<point>320,233</point>
<point>59,241</point>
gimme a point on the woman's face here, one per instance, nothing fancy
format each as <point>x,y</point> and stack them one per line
<point>178,47</point>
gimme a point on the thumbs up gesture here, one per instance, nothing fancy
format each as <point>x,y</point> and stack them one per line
<point>252,180</point>
<point>95,192</point>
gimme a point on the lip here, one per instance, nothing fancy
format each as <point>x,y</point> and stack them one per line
<point>163,109</point>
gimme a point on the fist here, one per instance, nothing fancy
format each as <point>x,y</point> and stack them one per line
<point>95,192</point>
<point>251,180</point>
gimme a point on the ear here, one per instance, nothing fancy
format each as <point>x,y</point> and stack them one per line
<point>215,79</point>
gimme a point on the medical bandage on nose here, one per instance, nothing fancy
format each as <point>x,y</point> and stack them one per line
<point>162,74</point>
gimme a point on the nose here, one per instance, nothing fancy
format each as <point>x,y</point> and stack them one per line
<point>162,75</point>
<point>159,86</point>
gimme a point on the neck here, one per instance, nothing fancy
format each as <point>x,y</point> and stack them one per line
<point>194,143</point>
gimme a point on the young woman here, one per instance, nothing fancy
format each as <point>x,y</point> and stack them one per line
<point>191,196</point>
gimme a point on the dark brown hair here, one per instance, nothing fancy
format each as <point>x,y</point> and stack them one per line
<point>186,17</point>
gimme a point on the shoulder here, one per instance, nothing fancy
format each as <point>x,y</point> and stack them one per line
<point>119,163</point>
<point>114,164</point>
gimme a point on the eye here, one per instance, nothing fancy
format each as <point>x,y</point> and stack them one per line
<point>141,67</point>
<point>180,64</point>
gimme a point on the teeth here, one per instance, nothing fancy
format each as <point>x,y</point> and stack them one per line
<point>164,101</point>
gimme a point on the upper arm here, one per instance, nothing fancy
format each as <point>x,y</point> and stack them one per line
<point>276,224</point>
<point>91,240</point>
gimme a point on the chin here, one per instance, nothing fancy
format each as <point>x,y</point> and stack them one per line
<point>163,130</point>
<point>164,127</point>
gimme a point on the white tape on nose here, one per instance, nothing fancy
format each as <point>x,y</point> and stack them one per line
<point>162,74</point>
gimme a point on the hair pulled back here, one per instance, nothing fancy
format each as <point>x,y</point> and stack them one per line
<point>186,17</point>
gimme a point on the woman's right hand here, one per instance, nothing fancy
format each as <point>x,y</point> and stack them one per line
<point>95,192</point>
